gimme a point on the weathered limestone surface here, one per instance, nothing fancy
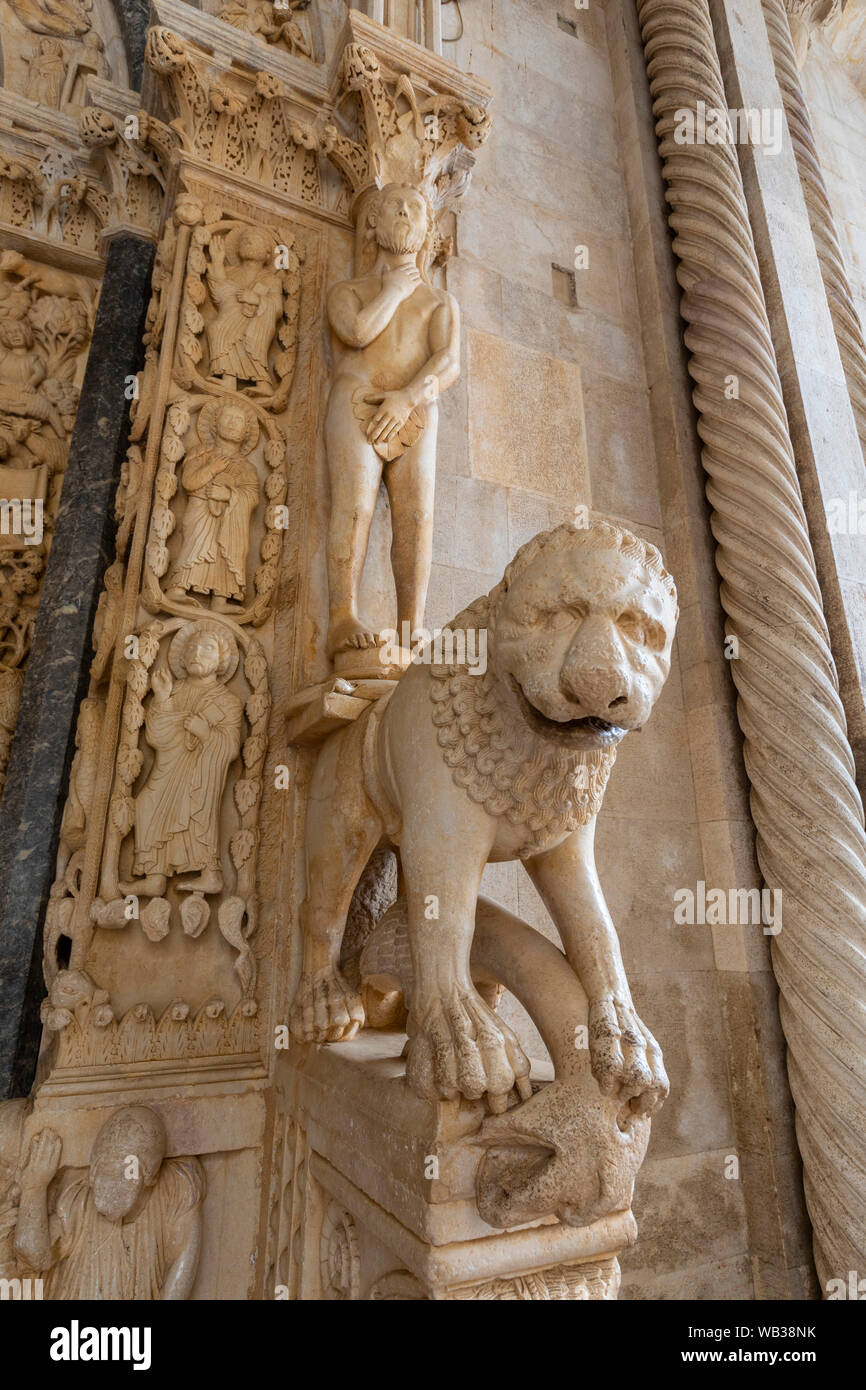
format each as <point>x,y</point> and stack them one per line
<point>409,353</point>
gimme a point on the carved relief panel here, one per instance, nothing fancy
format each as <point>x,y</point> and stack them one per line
<point>46,319</point>
<point>52,47</point>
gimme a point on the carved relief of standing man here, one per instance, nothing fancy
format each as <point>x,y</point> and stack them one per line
<point>194,725</point>
<point>222,488</point>
<point>247,290</point>
<point>46,68</point>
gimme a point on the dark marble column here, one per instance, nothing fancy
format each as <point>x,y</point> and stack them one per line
<point>133,16</point>
<point>57,669</point>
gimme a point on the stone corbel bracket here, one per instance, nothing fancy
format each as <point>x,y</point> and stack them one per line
<point>268,117</point>
<point>421,118</point>
<point>234,103</point>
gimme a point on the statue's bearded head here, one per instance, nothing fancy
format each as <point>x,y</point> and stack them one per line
<point>125,1161</point>
<point>401,218</point>
<point>203,655</point>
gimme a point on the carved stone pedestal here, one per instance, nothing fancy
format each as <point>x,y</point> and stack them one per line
<point>378,1196</point>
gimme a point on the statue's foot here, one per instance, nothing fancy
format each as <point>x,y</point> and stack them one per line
<point>625,1058</point>
<point>211,881</point>
<point>325,1009</point>
<point>457,1046</point>
<point>153,886</point>
<point>351,634</point>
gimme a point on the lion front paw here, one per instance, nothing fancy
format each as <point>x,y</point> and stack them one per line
<point>457,1046</point>
<point>625,1057</point>
<point>325,1008</point>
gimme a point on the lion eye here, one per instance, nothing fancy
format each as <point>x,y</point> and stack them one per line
<point>639,628</point>
<point>557,619</point>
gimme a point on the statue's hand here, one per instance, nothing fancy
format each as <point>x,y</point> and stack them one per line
<point>43,1160</point>
<point>197,726</point>
<point>401,281</point>
<point>161,682</point>
<point>625,1057</point>
<point>394,410</point>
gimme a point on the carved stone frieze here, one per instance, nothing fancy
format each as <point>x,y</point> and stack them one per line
<point>128,1226</point>
<point>245,122</point>
<point>173,737</point>
<point>52,47</point>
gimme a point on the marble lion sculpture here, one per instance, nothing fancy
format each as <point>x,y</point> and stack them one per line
<point>457,769</point>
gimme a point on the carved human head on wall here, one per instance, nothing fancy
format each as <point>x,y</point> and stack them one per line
<point>125,1161</point>
<point>203,650</point>
<point>255,245</point>
<point>585,620</point>
<point>15,333</point>
<point>232,424</point>
<point>400,218</point>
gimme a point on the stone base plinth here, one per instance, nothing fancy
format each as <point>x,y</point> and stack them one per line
<point>375,1195</point>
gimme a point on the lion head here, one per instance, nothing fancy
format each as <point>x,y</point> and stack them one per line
<point>579,637</point>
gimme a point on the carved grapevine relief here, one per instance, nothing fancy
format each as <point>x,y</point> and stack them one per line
<point>181,841</point>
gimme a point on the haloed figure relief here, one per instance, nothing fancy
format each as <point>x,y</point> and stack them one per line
<point>396,348</point>
<point>222,488</point>
<point>194,725</point>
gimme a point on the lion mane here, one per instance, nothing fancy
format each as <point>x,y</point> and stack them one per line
<point>493,753</point>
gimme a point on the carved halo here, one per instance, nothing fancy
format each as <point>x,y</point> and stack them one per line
<point>210,413</point>
<point>225,640</point>
<point>233,238</point>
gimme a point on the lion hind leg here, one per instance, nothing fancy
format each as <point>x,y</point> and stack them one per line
<point>343,828</point>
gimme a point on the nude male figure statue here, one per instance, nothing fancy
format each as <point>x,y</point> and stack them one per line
<point>396,346</point>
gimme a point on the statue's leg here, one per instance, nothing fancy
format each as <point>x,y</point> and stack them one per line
<point>342,830</point>
<point>355,470</point>
<point>411,481</point>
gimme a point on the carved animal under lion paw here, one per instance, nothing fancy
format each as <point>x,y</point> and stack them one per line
<point>458,769</point>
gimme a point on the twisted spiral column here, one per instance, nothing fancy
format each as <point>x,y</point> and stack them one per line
<point>846,323</point>
<point>805,806</point>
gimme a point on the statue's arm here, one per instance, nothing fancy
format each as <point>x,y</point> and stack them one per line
<point>183,1248</point>
<point>356,324</point>
<point>442,368</point>
<point>567,880</point>
<point>198,472</point>
<point>34,1240</point>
